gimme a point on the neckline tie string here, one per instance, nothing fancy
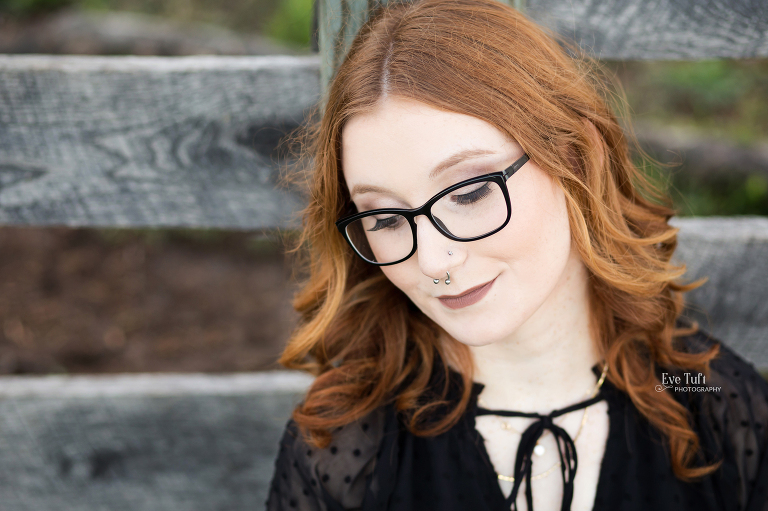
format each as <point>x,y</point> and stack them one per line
<point>566,450</point>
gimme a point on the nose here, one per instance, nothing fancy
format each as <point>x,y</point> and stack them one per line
<point>432,249</point>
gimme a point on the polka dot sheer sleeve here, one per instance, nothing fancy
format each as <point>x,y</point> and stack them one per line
<point>329,479</point>
<point>738,411</point>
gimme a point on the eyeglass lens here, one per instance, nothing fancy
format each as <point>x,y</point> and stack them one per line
<point>473,210</point>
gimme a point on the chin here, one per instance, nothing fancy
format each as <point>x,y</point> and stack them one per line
<point>477,333</point>
<point>475,342</point>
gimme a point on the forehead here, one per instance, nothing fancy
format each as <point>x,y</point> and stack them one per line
<point>398,144</point>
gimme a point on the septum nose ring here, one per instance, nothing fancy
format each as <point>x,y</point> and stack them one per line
<point>447,279</point>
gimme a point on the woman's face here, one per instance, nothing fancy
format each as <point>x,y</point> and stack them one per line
<point>395,148</point>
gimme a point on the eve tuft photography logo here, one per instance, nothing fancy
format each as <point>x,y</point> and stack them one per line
<point>688,382</point>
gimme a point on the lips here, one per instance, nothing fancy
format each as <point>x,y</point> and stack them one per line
<point>468,297</point>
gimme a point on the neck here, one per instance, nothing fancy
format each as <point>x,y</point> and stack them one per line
<point>546,363</point>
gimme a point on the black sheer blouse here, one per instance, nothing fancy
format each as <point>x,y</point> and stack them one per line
<point>376,464</point>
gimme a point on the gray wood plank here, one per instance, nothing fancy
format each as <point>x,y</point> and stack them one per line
<point>156,141</point>
<point>148,442</point>
<point>733,304</point>
<point>659,29</point>
<point>149,141</point>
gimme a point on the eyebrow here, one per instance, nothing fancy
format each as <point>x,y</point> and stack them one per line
<point>447,163</point>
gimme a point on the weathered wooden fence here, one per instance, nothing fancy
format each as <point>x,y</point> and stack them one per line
<point>142,442</point>
<point>126,141</point>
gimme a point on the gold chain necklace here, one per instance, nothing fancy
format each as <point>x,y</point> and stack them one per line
<point>539,450</point>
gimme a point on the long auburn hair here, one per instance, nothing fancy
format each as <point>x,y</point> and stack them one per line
<point>365,342</point>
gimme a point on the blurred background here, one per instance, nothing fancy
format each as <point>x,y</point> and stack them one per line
<point>128,300</point>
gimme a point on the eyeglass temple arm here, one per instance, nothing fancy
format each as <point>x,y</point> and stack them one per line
<point>515,166</point>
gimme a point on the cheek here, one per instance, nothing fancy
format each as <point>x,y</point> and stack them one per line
<point>404,276</point>
<point>538,230</point>
<point>534,248</point>
<point>419,288</point>
<point>546,239</point>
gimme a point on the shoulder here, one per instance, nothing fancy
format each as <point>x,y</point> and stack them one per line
<point>738,388</point>
<point>734,403</point>
<point>334,476</point>
<point>734,380</point>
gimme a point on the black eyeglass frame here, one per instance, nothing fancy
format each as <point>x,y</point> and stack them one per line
<point>410,214</point>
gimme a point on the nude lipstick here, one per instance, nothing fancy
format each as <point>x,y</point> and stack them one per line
<point>466,298</point>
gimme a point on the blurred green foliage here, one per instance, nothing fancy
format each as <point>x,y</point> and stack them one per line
<point>288,21</point>
<point>723,97</point>
<point>240,15</point>
<point>31,7</point>
<point>291,22</point>
<point>713,196</point>
<point>727,99</point>
<point>721,196</point>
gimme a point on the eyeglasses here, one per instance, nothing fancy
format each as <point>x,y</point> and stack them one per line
<point>467,211</point>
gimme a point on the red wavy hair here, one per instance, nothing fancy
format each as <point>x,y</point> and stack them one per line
<point>365,342</point>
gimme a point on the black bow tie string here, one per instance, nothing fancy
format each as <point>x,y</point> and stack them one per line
<point>524,462</point>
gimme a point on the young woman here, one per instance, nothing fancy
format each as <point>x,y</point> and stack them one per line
<point>490,311</point>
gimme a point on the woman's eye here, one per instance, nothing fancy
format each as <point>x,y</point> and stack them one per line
<point>391,222</point>
<point>474,195</point>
